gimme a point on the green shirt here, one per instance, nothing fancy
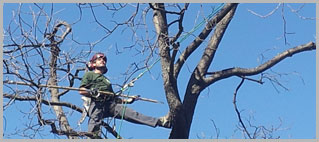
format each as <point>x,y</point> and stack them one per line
<point>95,80</point>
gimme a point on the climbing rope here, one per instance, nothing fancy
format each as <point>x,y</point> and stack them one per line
<point>122,117</point>
<point>128,87</point>
<point>213,13</point>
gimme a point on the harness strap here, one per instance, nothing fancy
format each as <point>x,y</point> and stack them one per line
<point>86,105</point>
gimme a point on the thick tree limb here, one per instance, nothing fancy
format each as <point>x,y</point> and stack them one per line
<point>236,71</point>
<point>201,37</point>
<point>170,83</point>
<point>210,50</point>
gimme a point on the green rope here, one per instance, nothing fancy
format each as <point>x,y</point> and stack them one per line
<point>122,117</point>
<point>147,69</point>
<point>214,12</point>
<point>129,89</point>
<point>123,89</point>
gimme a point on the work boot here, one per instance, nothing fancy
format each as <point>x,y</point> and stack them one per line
<point>164,122</point>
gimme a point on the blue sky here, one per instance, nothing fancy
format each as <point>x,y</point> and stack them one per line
<point>247,37</point>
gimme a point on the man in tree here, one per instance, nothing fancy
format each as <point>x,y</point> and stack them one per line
<point>103,106</point>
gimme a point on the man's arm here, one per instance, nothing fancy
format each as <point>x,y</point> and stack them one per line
<point>84,92</point>
<point>126,101</point>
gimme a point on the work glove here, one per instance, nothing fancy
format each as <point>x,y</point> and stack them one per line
<point>94,92</point>
<point>132,99</point>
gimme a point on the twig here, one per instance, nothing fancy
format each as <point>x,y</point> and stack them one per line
<point>236,108</point>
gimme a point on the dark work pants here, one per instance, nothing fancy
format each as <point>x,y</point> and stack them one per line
<point>100,110</point>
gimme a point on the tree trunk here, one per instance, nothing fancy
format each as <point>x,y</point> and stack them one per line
<point>196,82</point>
<point>184,119</point>
<point>170,84</point>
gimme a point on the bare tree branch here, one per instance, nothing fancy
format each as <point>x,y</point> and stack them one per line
<point>215,76</point>
<point>267,15</point>
<point>180,24</point>
<point>210,50</point>
<point>65,104</point>
<point>236,108</point>
<point>46,102</point>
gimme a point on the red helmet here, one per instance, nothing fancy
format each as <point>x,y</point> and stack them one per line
<point>95,56</point>
<point>98,55</point>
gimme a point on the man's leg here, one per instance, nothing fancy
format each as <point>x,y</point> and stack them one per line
<point>95,119</point>
<point>133,116</point>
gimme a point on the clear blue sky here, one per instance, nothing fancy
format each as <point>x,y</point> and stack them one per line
<point>246,38</point>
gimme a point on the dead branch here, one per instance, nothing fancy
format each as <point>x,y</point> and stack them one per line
<point>65,104</point>
<point>236,71</point>
<point>236,108</point>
